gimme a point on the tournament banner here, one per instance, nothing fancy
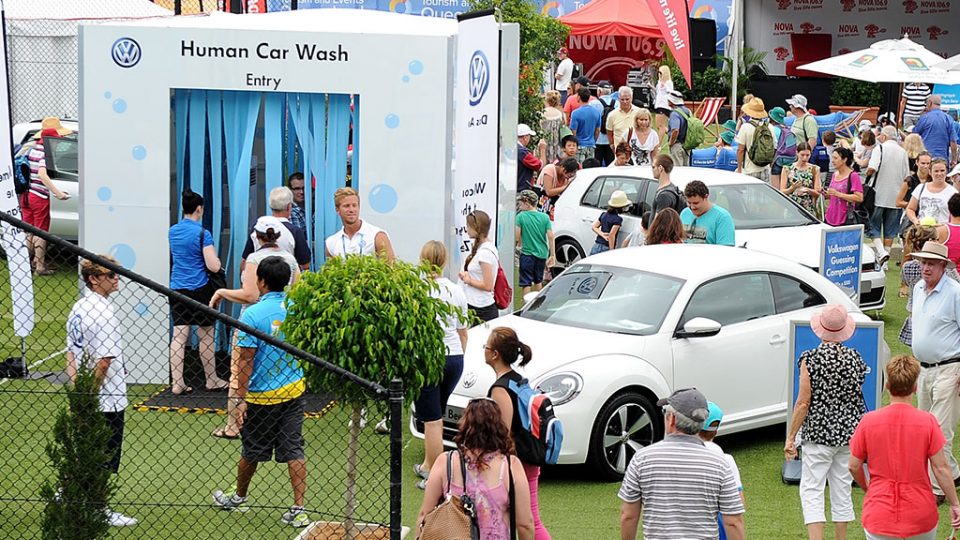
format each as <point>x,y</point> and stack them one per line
<point>13,240</point>
<point>476,120</point>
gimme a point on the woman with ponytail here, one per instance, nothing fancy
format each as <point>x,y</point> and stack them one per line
<point>502,350</point>
<point>480,269</point>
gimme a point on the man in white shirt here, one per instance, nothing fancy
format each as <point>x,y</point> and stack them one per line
<point>564,73</point>
<point>356,237</point>
<point>93,337</point>
<point>888,167</point>
<point>293,239</point>
<point>758,120</point>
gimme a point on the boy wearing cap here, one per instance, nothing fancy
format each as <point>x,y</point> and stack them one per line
<point>534,237</point>
<point>527,162</point>
<point>707,434</point>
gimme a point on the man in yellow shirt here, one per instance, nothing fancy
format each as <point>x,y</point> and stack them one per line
<point>621,120</point>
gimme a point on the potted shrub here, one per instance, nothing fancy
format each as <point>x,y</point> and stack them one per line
<point>376,320</point>
<point>850,95</point>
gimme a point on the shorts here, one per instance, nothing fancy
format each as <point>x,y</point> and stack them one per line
<point>432,403</point>
<point>35,211</point>
<point>184,315</point>
<point>664,112</point>
<point>781,162</point>
<point>486,313</point>
<point>599,248</point>
<point>114,445</point>
<point>273,431</point>
<point>531,270</point>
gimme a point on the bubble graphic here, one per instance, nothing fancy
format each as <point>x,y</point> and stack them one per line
<point>124,254</point>
<point>104,194</point>
<point>415,67</point>
<point>119,106</point>
<point>392,121</point>
<point>406,78</point>
<point>139,153</point>
<point>141,309</point>
<point>110,209</point>
<point>383,198</point>
<point>107,95</point>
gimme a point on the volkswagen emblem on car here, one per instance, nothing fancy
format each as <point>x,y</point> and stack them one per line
<point>125,52</point>
<point>469,379</point>
<point>478,77</point>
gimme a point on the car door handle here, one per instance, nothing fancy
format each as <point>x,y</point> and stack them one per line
<point>586,220</point>
<point>777,339</point>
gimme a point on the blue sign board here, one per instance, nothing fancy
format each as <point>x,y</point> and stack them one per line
<point>840,257</point>
<point>950,95</point>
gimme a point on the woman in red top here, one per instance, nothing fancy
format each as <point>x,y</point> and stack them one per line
<point>666,228</point>
<point>898,441</point>
<point>949,233</point>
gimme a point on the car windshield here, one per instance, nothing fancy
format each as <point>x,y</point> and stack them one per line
<point>759,206</point>
<point>606,298</point>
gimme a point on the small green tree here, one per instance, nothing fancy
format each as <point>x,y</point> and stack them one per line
<point>76,501</point>
<point>376,320</point>
<point>851,92</point>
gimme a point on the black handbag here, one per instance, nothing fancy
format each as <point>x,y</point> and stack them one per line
<point>856,213</point>
<point>216,280</point>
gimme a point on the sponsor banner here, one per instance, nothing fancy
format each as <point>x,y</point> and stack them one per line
<point>13,240</point>
<point>476,124</point>
<point>840,257</point>
<point>950,94</point>
<point>852,25</point>
<point>611,57</point>
<point>674,22</point>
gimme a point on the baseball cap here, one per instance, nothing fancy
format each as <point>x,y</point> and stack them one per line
<point>605,84</point>
<point>864,124</point>
<point>689,402</point>
<point>529,197</point>
<point>265,223</point>
<point>675,97</point>
<point>954,171</point>
<point>563,50</point>
<point>583,81</point>
<point>715,415</point>
<point>798,100</point>
<point>523,129</point>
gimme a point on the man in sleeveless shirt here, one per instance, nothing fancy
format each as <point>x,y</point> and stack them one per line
<point>356,237</point>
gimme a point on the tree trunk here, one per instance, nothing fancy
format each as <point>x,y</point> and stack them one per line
<point>353,448</point>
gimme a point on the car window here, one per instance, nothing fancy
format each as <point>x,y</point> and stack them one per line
<point>732,299</point>
<point>606,298</point>
<point>62,157</point>
<point>759,206</point>
<point>602,188</point>
<point>592,196</point>
<point>791,295</point>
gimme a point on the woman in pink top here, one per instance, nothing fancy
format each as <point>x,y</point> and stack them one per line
<point>485,443</point>
<point>897,442</point>
<point>949,233</point>
<point>845,187</point>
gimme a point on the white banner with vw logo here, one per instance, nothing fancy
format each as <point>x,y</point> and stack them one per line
<point>477,118</point>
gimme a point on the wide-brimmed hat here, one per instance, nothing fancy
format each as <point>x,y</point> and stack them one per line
<point>727,137</point>
<point>529,197</point>
<point>523,129</point>
<point>864,124</point>
<point>934,251</point>
<point>777,114</point>
<point>799,101</point>
<point>675,97</point>
<point>52,122</point>
<point>755,109</point>
<point>729,125</point>
<point>618,199</point>
<point>833,323</point>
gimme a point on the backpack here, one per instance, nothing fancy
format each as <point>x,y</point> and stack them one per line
<point>786,143</point>
<point>821,157</point>
<point>502,292</point>
<point>696,133</point>
<point>21,173</point>
<point>540,434</point>
<point>607,109</point>
<point>681,202</point>
<point>762,150</point>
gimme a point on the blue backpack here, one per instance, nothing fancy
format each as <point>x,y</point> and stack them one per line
<point>21,173</point>
<point>541,435</point>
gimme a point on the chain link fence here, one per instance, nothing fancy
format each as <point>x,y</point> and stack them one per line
<point>169,464</point>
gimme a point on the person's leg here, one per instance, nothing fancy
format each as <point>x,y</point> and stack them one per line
<point>891,226</point>
<point>39,254</point>
<point>177,345</point>
<point>115,444</point>
<point>245,471</point>
<point>944,406</point>
<point>661,126</point>
<point>527,276</point>
<point>428,411</point>
<point>236,407</point>
<point>297,469</point>
<point>813,478</point>
<point>208,358</point>
<point>841,499</point>
<point>533,479</point>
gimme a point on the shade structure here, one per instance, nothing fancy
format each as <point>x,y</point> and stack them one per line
<point>613,18</point>
<point>950,64</point>
<point>890,60</point>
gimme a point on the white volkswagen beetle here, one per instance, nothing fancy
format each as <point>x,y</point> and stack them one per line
<point>621,329</point>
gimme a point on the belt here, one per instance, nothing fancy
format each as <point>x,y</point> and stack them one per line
<point>953,360</point>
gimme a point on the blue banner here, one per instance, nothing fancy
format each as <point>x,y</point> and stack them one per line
<point>950,95</point>
<point>866,341</point>
<point>840,257</point>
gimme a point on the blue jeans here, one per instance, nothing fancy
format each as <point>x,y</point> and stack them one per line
<point>888,219</point>
<point>599,248</point>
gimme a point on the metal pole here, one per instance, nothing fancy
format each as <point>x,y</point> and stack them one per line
<point>23,356</point>
<point>396,455</point>
<point>177,7</point>
<point>734,54</point>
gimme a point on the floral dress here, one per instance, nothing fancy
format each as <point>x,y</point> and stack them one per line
<point>836,400</point>
<point>550,131</point>
<point>804,177</point>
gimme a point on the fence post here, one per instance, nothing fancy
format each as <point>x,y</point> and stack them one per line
<point>396,458</point>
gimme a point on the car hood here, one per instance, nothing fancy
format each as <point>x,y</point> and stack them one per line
<point>550,352</point>
<point>783,242</point>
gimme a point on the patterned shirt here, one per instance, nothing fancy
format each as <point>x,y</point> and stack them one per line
<point>836,397</point>
<point>38,160</point>
<point>916,95</point>
<point>298,218</point>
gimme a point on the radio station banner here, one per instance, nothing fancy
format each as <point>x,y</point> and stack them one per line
<point>476,121</point>
<point>852,24</point>
<point>841,257</point>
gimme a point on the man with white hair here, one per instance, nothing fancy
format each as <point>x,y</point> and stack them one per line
<point>679,476</point>
<point>621,120</point>
<point>293,239</point>
<point>936,130</point>
<point>888,167</point>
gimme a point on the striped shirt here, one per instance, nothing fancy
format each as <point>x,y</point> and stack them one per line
<point>682,485</point>
<point>916,95</point>
<point>38,160</point>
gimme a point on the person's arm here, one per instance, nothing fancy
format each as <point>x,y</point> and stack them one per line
<point>874,163</point>
<point>489,278</point>
<point>912,211</point>
<point>246,294</point>
<point>552,258</point>
<point>244,361</point>
<point>612,237</point>
<point>787,186</point>
<point>900,108</point>
<point>521,500</point>
<point>383,247</point>
<point>610,132</point>
<point>596,132</point>
<point>71,368</point>
<point>462,334</point>
<point>741,155</point>
<point>502,397</point>
<point>726,234</point>
<point>817,186</point>
<point>596,229</point>
<point>674,135</point>
<point>533,162</point>
<point>296,275</point>
<point>210,259</point>
<point>553,189</point>
<point>944,476</point>
<point>436,481</point>
<point>48,183</point>
<point>100,372</point>
<point>800,410</point>
<point>856,469</point>
<point>734,527</point>
<point>574,124</point>
<point>518,238</point>
<point>629,519</point>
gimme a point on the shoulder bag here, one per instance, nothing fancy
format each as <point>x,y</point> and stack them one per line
<point>856,215</point>
<point>216,280</point>
<point>455,518</point>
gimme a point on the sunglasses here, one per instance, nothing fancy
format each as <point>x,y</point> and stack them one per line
<point>109,275</point>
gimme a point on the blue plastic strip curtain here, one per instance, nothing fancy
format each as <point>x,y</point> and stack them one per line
<point>317,170</point>
<point>180,106</point>
<point>197,121</point>
<point>299,106</point>
<point>215,126</point>
<point>335,174</point>
<point>273,139</point>
<point>241,111</point>
<point>355,160</point>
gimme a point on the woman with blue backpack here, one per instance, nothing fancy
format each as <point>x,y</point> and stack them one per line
<point>785,151</point>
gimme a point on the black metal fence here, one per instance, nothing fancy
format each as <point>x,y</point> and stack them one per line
<point>170,462</point>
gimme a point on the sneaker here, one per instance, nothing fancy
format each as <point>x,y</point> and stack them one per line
<point>883,258</point>
<point>420,471</point>
<point>382,427</point>
<point>363,420</point>
<point>422,484</point>
<point>295,517</point>
<point>229,500</point>
<point>116,519</point>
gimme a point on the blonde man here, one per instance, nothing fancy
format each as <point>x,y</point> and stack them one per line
<point>356,237</point>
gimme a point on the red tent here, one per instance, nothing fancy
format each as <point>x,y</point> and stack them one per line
<point>613,18</point>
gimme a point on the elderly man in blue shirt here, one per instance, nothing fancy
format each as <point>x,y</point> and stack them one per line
<point>936,343</point>
<point>935,127</point>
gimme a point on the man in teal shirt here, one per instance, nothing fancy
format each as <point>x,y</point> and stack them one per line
<point>703,221</point>
<point>534,241</point>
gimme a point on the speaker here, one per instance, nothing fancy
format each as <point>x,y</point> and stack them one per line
<point>703,39</point>
<point>699,65</point>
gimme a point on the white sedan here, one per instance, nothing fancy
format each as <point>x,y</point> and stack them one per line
<point>765,219</point>
<point>619,330</point>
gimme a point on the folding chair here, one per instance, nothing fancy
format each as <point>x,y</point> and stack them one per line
<point>848,126</point>
<point>709,111</point>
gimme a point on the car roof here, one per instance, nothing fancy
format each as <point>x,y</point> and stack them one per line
<point>692,261</point>
<point>679,176</point>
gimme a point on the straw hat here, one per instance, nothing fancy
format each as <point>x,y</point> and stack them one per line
<point>755,109</point>
<point>934,251</point>
<point>52,122</point>
<point>618,199</point>
<point>833,323</point>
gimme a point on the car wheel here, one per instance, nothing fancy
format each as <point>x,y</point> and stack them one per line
<point>568,252</point>
<point>627,423</point>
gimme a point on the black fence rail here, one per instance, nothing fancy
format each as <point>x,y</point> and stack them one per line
<point>170,464</point>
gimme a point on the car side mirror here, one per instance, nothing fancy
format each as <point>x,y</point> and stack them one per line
<point>699,327</point>
<point>527,298</point>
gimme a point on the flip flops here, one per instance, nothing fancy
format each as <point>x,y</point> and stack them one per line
<point>221,433</point>
<point>183,390</point>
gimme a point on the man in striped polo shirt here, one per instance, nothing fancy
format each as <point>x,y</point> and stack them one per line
<point>913,102</point>
<point>678,484</point>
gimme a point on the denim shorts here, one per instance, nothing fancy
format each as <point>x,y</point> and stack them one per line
<point>531,270</point>
<point>432,403</point>
<point>599,248</point>
<point>888,218</point>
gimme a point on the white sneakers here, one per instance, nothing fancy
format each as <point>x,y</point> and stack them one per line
<point>116,519</point>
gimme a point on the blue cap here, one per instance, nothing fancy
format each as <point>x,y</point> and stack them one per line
<point>715,415</point>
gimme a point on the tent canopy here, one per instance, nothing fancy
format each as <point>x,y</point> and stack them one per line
<point>613,18</point>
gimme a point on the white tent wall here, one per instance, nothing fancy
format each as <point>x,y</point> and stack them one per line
<point>42,50</point>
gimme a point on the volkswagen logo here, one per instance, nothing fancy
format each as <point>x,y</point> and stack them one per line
<point>125,52</point>
<point>469,379</point>
<point>479,77</point>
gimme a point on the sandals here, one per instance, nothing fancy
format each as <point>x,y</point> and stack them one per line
<point>183,390</point>
<point>219,388</point>
<point>420,471</point>
<point>221,433</point>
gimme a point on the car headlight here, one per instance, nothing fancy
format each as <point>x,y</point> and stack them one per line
<point>561,387</point>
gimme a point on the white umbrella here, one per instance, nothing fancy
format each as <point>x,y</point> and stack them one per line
<point>890,60</point>
<point>950,64</point>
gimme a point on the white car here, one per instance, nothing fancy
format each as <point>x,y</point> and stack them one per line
<point>63,166</point>
<point>619,330</point>
<point>765,219</point>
